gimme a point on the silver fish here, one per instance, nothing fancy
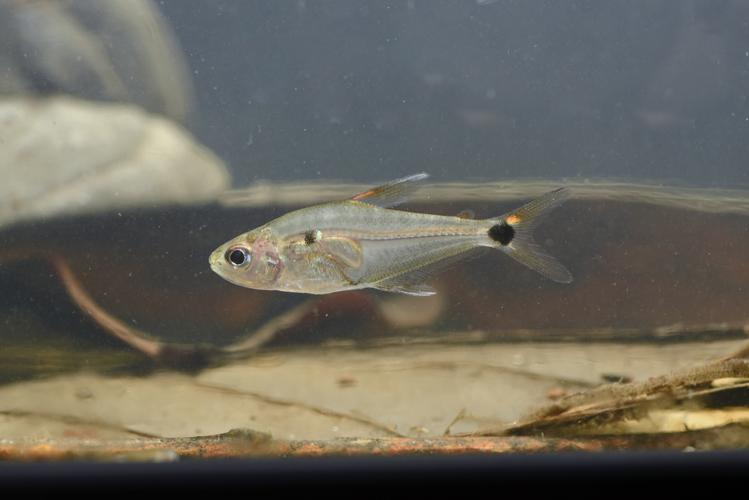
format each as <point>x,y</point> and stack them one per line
<point>361,243</point>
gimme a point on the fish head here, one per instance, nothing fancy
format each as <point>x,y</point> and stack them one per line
<point>250,260</point>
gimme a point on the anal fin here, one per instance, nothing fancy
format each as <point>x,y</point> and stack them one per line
<point>412,282</point>
<point>420,290</point>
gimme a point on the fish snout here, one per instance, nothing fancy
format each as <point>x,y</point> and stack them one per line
<point>216,260</point>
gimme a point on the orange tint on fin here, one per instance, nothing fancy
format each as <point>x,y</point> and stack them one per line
<point>364,195</point>
<point>390,194</point>
<point>466,214</point>
<point>513,219</point>
<point>521,246</point>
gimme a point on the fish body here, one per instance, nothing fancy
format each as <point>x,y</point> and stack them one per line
<point>362,243</point>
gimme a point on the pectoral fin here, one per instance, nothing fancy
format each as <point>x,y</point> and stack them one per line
<point>343,250</point>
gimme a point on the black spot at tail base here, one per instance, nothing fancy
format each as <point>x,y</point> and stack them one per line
<point>502,233</point>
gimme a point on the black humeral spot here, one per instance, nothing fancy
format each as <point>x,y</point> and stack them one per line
<point>310,237</point>
<point>503,233</point>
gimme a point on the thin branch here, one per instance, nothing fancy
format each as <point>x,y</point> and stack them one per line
<point>296,404</point>
<point>261,336</point>
<point>75,420</point>
<point>172,353</point>
<point>742,353</point>
<point>452,365</point>
<point>127,334</point>
<point>461,414</point>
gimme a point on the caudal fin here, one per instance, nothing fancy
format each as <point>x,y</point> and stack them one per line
<point>513,232</point>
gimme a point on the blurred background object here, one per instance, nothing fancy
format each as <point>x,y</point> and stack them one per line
<point>110,51</point>
<point>67,155</point>
<point>94,101</point>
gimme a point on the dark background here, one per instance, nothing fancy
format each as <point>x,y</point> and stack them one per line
<point>470,90</point>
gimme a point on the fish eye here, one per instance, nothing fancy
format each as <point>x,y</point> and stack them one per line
<point>238,256</point>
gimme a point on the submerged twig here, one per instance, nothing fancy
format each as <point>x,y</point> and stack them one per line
<point>174,354</point>
<point>586,412</point>
<point>461,414</point>
<point>129,335</point>
<point>296,404</point>
<point>75,420</point>
<point>453,365</point>
<point>251,342</point>
<point>742,353</point>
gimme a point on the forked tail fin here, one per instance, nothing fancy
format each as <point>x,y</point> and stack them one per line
<point>513,233</point>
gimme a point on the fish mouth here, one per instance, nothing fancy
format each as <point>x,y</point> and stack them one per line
<point>216,260</point>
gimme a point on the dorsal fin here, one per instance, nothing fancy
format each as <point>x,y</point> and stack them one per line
<point>391,194</point>
<point>466,214</point>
